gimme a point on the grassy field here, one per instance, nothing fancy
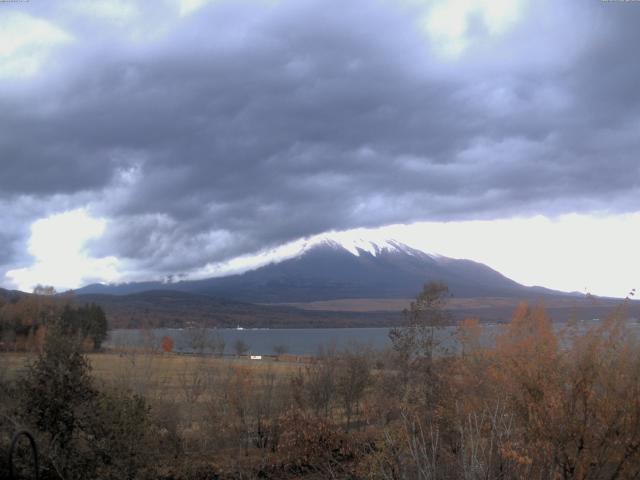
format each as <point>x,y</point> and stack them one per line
<point>202,403</point>
<point>161,375</point>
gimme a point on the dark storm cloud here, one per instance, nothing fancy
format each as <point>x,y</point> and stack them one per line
<point>249,124</point>
<point>10,250</point>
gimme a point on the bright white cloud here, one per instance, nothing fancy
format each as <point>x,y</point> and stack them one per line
<point>57,245</point>
<point>25,43</point>
<point>187,7</point>
<point>448,21</point>
<point>119,12</point>
<point>190,6</point>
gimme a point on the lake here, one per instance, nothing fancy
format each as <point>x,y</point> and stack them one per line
<point>297,341</point>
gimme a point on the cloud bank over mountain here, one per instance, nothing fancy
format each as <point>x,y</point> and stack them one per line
<point>200,131</point>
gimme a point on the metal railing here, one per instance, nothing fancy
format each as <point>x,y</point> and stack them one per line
<point>34,451</point>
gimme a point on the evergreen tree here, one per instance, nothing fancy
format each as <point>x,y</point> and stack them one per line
<point>55,391</point>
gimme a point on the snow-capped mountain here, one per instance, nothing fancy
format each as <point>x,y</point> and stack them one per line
<point>360,246</point>
<point>327,268</point>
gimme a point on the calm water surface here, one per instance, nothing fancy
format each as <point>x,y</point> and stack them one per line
<point>298,341</point>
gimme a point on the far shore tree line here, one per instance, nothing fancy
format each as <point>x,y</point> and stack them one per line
<point>205,341</point>
<point>25,319</point>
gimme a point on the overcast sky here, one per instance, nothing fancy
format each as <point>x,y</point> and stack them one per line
<point>145,139</point>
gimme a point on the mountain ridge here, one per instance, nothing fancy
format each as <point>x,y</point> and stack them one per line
<point>329,269</point>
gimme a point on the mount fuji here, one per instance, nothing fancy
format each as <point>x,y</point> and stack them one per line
<point>329,269</point>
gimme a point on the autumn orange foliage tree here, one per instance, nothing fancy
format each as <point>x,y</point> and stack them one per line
<point>539,403</point>
<point>167,344</point>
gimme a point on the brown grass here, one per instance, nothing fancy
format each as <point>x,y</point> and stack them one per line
<point>156,374</point>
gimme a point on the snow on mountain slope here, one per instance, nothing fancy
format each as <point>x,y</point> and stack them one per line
<point>337,267</point>
<point>358,246</point>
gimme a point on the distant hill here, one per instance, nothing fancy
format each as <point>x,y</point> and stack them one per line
<point>167,308</point>
<point>9,294</point>
<point>330,270</point>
